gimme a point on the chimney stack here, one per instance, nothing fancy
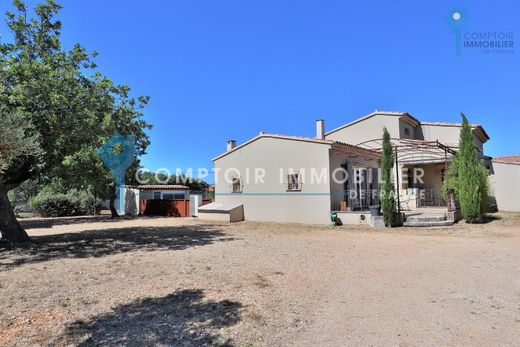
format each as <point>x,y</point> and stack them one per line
<point>320,129</point>
<point>231,144</point>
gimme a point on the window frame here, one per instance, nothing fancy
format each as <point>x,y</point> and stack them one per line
<point>168,194</point>
<point>294,185</point>
<point>236,185</point>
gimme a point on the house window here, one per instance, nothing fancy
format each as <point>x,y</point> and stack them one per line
<point>157,195</point>
<point>293,182</point>
<point>167,196</point>
<point>407,131</point>
<point>236,185</point>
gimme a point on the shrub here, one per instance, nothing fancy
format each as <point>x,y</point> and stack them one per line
<point>468,178</point>
<point>73,203</point>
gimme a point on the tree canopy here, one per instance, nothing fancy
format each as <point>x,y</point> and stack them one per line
<point>64,109</point>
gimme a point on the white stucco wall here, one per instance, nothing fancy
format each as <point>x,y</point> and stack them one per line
<point>448,135</point>
<point>270,201</point>
<point>372,128</point>
<point>505,184</point>
<point>131,202</point>
<point>368,129</point>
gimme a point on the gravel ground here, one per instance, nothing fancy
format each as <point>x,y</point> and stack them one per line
<point>167,281</point>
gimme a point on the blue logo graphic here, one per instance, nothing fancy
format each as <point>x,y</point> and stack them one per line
<point>457,19</point>
<point>118,153</point>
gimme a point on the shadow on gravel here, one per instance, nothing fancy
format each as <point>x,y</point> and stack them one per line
<point>42,223</point>
<point>489,218</point>
<point>99,243</point>
<point>179,319</point>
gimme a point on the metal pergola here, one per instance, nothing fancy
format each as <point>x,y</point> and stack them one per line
<point>410,152</point>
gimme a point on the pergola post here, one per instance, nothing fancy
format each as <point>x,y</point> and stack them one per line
<point>446,178</point>
<point>397,181</point>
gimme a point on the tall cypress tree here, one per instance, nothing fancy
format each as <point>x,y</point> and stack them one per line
<point>387,184</point>
<point>469,180</point>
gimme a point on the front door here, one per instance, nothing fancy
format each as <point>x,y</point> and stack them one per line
<point>360,196</point>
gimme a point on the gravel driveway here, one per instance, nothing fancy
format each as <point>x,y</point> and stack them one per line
<point>166,281</point>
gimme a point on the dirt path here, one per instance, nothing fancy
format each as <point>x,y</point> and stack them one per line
<point>183,282</point>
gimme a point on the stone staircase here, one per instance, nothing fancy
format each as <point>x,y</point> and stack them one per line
<point>429,221</point>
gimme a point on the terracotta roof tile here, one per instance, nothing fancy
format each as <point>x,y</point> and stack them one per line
<point>510,159</point>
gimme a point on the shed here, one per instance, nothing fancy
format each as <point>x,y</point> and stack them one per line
<point>160,200</point>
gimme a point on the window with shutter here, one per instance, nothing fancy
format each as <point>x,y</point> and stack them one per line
<point>236,186</point>
<point>293,182</point>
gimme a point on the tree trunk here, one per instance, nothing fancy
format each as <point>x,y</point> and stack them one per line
<point>113,206</point>
<point>9,227</point>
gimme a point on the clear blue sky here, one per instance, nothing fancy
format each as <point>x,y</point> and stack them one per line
<point>217,70</point>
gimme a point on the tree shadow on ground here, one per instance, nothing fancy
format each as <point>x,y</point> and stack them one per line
<point>99,243</point>
<point>489,218</point>
<point>44,223</point>
<point>178,319</point>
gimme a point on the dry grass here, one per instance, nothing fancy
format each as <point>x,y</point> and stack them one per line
<point>163,281</point>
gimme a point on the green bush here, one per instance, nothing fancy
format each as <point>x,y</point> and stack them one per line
<point>468,179</point>
<point>73,203</point>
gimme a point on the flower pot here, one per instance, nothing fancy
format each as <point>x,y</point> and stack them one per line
<point>375,210</point>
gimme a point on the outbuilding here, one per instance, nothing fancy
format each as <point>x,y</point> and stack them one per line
<point>157,200</point>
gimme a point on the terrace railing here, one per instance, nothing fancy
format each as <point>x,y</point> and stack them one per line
<point>353,200</point>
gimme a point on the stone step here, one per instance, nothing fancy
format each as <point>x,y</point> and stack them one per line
<point>425,218</point>
<point>443,223</point>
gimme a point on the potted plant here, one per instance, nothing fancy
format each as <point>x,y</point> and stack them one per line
<point>375,210</point>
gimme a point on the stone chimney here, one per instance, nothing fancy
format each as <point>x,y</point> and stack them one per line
<point>320,129</point>
<point>231,144</point>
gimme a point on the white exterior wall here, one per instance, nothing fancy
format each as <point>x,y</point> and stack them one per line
<point>448,135</point>
<point>195,203</point>
<point>131,202</point>
<point>505,184</point>
<point>372,128</point>
<point>368,129</point>
<point>270,201</point>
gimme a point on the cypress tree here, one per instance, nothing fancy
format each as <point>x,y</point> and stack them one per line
<point>470,190</point>
<point>387,185</point>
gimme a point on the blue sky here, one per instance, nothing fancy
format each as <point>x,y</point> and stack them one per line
<point>217,70</point>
